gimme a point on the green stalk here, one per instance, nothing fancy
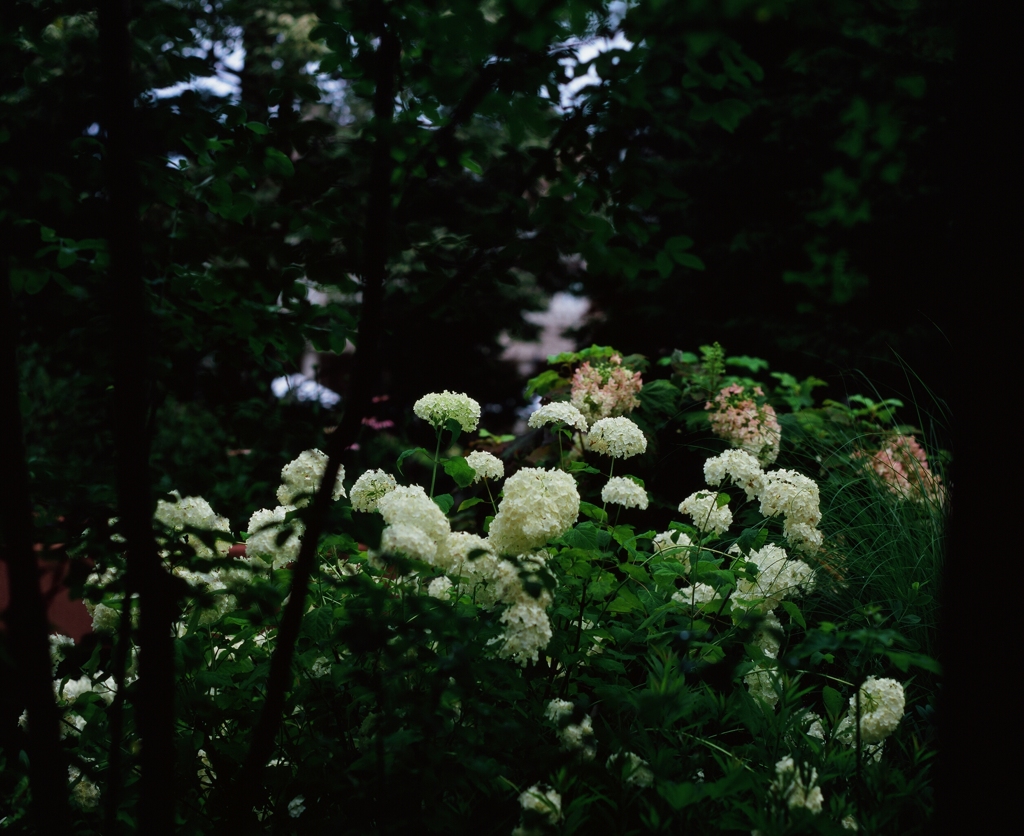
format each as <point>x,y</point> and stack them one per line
<point>437,458</point>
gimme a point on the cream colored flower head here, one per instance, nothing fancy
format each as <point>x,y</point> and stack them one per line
<point>702,506</point>
<point>412,506</point>
<point>619,438</point>
<point>486,465</point>
<point>625,492</point>
<point>538,505</point>
<point>370,488</point>
<point>301,478</point>
<point>558,413</point>
<point>438,407</point>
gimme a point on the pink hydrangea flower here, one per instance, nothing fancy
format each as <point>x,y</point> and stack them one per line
<point>737,417</point>
<point>902,465</point>
<point>606,390</point>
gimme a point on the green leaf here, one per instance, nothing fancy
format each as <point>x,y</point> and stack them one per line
<point>751,539</point>
<point>258,128</point>
<point>468,162</point>
<point>580,467</point>
<point>544,383</point>
<point>754,364</point>
<point>317,624</point>
<point>458,468</point>
<point>586,535</point>
<point>794,613</point>
<point>661,397</point>
<point>833,702</point>
<point>406,454</point>
<point>679,796</point>
<point>637,573</point>
<point>66,257</point>
<point>690,260</point>
<point>277,162</point>
<point>624,602</point>
<point>469,503</point>
<point>444,501</point>
<point>721,500</point>
<point>593,512</point>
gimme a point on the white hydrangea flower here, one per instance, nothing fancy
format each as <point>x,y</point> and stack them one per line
<point>265,527</point>
<point>791,785</point>
<point>579,738</point>
<point>761,683</point>
<point>370,488</point>
<point>638,771</point>
<point>72,689</point>
<point>557,709</point>
<point>538,505</point>
<point>193,512</point>
<point>675,544</point>
<point>297,806</point>
<point>778,577</point>
<point>545,802</point>
<point>408,540</point>
<point>702,507</point>
<point>558,413</point>
<point>767,636</point>
<point>793,495</point>
<point>438,587</point>
<point>619,438</point>
<point>882,704</point>
<point>527,632</point>
<point>801,536</point>
<point>438,407</point>
<point>849,823</point>
<point>486,465</point>
<point>697,595</point>
<point>741,467</point>
<point>625,492</point>
<point>411,506</point>
<point>301,477</point>
<point>84,792</point>
<point>105,619</point>
<point>58,643</point>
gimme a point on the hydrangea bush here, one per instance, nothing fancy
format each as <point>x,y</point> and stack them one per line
<point>524,654</point>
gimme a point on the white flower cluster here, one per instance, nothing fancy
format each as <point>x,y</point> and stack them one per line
<point>796,497</point>
<point>195,513</point>
<point>777,577</point>
<point>676,544</point>
<point>619,438</point>
<point>84,792</point>
<point>266,539</point>
<point>761,681</point>
<point>796,789</point>
<point>702,506</point>
<point>636,771</point>
<point>539,803</point>
<point>558,413</point>
<point>741,467</point>
<point>408,540</point>
<point>486,465</point>
<point>370,488</point>
<point>411,506</point>
<point>574,737</point>
<point>697,595</point>
<point>538,505</point>
<point>438,407</point>
<point>625,492</point>
<point>882,704</point>
<point>301,477</point>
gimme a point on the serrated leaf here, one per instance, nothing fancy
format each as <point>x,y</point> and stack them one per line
<point>444,501</point>
<point>317,624</point>
<point>593,512</point>
<point>459,469</point>
<point>586,535</point>
<point>637,573</point>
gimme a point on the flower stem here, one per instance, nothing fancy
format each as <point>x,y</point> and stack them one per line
<point>437,458</point>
